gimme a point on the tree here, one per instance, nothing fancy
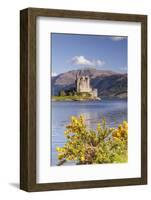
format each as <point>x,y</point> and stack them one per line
<point>70,94</point>
<point>62,93</point>
<point>84,146</point>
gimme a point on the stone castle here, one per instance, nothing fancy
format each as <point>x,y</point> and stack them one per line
<point>83,85</point>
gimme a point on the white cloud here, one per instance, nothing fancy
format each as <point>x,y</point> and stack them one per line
<point>81,60</point>
<point>54,74</point>
<point>100,62</point>
<point>117,38</point>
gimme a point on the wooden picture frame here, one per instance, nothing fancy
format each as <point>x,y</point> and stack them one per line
<point>28,98</point>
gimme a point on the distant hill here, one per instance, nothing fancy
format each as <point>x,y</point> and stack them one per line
<point>108,83</point>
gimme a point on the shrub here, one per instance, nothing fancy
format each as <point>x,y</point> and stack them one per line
<point>85,146</point>
<point>84,94</point>
<point>62,93</point>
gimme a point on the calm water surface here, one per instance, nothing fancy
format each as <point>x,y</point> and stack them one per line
<point>115,111</point>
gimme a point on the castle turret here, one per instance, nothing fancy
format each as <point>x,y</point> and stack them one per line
<point>83,85</point>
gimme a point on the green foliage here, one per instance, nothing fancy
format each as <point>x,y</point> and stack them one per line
<point>84,94</point>
<point>103,145</point>
<point>70,97</point>
<point>62,93</point>
<point>72,93</point>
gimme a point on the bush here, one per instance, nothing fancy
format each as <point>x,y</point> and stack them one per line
<point>103,145</point>
<point>84,94</point>
<point>62,93</point>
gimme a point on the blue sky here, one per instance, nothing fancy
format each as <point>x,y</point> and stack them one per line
<point>76,51</point>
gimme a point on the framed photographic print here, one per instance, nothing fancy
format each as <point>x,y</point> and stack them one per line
<point>83,99</point>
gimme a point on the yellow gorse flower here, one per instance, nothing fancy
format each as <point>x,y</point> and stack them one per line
<point>121,132</point>
<point>87,146</point>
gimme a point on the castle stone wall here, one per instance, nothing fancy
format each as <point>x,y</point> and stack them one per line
<point>83,85</point>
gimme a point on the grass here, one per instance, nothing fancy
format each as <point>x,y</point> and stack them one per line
<point>71,98</point>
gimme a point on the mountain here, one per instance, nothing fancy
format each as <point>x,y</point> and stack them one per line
<point>108,83</point>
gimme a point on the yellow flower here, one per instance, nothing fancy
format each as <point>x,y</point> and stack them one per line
<point>58,149</point>
<point>82,158</point>
<point>83,143</point>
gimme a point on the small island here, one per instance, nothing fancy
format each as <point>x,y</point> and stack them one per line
<point>82,91</point>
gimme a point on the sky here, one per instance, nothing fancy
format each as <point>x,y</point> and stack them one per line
<point>76,51</point>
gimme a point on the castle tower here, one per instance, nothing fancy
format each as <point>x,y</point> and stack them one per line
<point>87,82</point>
<point>83,85</point>
<point>77,83</point>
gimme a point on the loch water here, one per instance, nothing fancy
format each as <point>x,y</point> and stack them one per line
<point>114,110</point>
